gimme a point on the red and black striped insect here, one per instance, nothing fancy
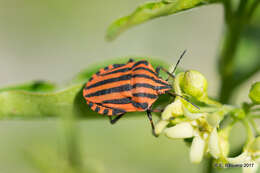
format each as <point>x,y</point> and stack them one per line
<point>121,88</point>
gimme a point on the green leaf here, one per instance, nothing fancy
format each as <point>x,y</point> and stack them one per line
<point>40,100</point>
<point>26,104</point>
<point>34,86</point>
<point>150,11</point>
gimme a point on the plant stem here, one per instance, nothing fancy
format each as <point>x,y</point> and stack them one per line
<point>250,134</point>
<point>253,123</point>
<point>208,168</point>
<point>235,24</point>
<point>227,56</point>
<point>72,147</point>
<point>255,116</point>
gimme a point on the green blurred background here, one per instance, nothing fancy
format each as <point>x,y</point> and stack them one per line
<point>54,39</point>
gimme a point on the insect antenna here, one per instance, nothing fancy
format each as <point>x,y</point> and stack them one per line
<point>174,94</point>
<point>172,73</point>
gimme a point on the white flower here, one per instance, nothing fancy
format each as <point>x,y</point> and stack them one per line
<point>214,148</point>
<point>249,165</point>
<point>182,130</point>
<point>192,116</point>
<point>160,126</point>
<point>173,110</point>
<point>197,149</point>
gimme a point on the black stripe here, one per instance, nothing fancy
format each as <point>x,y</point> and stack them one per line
<point>152,96</point>
<point>130,68</point>
<point>105,111</point>
<point>117,71</point>
<point>137,85</point>
<point>106,68</point>
<point>90,79</point>
<point>118,111</point>
<point>140,62</point>
<point>120,88</point>
<point>118,101</point>
<point>116,79</point>
<point>97,109</point>
<point>150,77</point>
<point>146,85</point>
<point>125,77</point>
<point>147,69</point>
<point>118,65</point>
<point>97,73</point>
<point>140,105</point>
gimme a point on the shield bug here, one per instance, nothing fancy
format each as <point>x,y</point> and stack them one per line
<point>131,87</point>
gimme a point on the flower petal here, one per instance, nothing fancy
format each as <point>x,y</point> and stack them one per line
<point>160,126</point>
<point>190,115</point>
<point>197,149</point>
<point>173,110</point>
<point>214,144</point>
<point>242,158</point>
<point>182,130</point>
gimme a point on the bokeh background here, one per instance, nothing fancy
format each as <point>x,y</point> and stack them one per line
<point>53,40</point>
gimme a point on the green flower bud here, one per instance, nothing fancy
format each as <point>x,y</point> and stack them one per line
<point>238,113</point>
<point>242,158</point>
<point>254,93</point>
<point>255,146</point>
<point>194,84</point>
<point>214,119</point>
<point>223,141</point>
<point>177,83</point>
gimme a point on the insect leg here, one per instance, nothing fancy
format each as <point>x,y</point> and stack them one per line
<point>157,110</point>
<point>157,70</point>
<point>149,114</point>
<point>113,121</point>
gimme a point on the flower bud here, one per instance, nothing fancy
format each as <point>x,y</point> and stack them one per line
<point>160,126</point>
<point>214,144</point>
<point>191,115</point>
<point>238,113</point>
<point>182,130</point>
<point>194,84</point>
<point>254,93</point>
<point>242,158</point>
<point>197,149</point>
<point>177,83</point>
<point>223,141</point>
<point>214,119</point>
<point>255,146</point>
<point>173,110</point>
